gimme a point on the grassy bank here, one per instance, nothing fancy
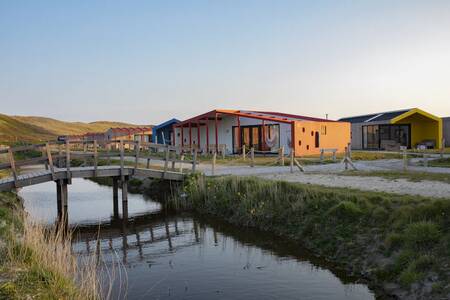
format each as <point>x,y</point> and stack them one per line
<point>37,262</point>
<point>400,243</point>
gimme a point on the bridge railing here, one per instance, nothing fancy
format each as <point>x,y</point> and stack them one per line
<point>60,154</point>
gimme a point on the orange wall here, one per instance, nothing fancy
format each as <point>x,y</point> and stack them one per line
<point>331,135</point>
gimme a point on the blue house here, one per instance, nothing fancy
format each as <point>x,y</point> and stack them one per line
<point>163,133</point>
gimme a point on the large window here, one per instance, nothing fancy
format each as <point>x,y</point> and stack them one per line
<point>375,136</point>
<point>257,137</point>
<point>371,137</point>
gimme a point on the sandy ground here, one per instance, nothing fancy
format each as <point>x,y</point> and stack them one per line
<point>328,175</point>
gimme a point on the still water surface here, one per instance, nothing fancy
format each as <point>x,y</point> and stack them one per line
<point>182,256</point>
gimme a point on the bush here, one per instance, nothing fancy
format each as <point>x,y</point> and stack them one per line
<point>347,210</point>
<point>422,236</point>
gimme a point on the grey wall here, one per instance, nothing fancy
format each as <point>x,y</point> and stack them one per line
<point>447,131</point>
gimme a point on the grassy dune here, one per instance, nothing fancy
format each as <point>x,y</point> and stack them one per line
<point>34,129</point>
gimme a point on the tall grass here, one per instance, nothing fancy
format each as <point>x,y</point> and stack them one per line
<point>45,267</point>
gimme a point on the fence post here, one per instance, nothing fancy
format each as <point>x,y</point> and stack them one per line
<point>282,155</point>
<point>95,158</point>
<point>443,148</point>
<point>321,155</point>
<point>108,149</point>
<point>213,163</point>
<point>405,160</point>
<point>122,154</point>
<point>181,163</point>
<point>84,152</point>
<point>425,160</point>
<point>334,155</point>
<point>137,150</point>
<point>243,151</point>
<point>346,158</point>
<point>223,151</point>
<point>252,157</point>
<point>194,160</point>
<point>59,155</point>
<point>50,160</point>
<point>12,162</point>
<point>166,160</point>
<point>291,163</point>
<point>44,155</point>
<point>349,148</point>
<point>69,177</point>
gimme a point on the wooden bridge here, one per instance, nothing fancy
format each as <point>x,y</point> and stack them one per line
<point>60,162</point>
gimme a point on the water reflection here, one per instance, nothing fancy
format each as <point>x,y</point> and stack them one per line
<point>182,256</point>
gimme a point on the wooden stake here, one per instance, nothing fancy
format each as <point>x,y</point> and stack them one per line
<point>252,157</point>
<point>137,150</point>
<point>405,160</point>
<point>50,160</point>
<point>181,163</point>
<point>243,152</point>
<point>292,160</point>
<point>12,162</point>
<point>213,163</point>
<point>95,158</point>
<point>69,175</point>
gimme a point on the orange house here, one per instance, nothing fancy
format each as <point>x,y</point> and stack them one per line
<point>264,131</point>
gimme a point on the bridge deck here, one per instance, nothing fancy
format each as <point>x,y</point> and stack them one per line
<point>41,176</point>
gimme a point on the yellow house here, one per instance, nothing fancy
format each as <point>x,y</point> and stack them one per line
<point>410,128</point>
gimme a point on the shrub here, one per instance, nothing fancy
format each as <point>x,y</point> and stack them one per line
<point>393,241</point>
<point>347,210</point>
<point>422,236</point>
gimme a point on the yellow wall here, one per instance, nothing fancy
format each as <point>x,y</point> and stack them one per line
<point>422,128</point>
<point>332,135</point>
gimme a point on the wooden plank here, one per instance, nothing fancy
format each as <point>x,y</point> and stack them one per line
<point>213,165</point>
<point>50,160</point>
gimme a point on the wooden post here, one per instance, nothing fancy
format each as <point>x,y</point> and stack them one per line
<point>252,157</point>
<point>321,155</point>
<point>59,162</point>
<point>213,169</point>
<point>122,154</point>
<point>181,163</point>
<point>69,175</point>
<point>291,163</point>
<point>137,152</point>
<point>125,198</point>
<point>207,135</point>
<point>148,163</point>
<point>243,152</point>
<point>50,160</point>
<point>224,148</point>
<point>116,197</point>
<point>166,161</point>
<point>108,149</point>
<point>425,160</point>
<point>334,155</point>
<point>173,161</point>
<point>282,156</point>
<point>216,133</point>
<point>84,152</point>
<point>95,158</point>
<point>194,160</point>
<point>12,162</point>
<point>349,147</point>
<point>62,197</point>
<point>58,199</point>
<point>346,158</point>
<point>44,155</point>
<point>405,160</point>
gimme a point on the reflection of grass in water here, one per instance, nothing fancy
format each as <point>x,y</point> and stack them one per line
<point>39,260</point>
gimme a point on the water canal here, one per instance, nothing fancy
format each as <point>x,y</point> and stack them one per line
<point>183,256</point>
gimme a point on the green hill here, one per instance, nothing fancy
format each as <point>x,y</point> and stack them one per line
<point>33,129</point>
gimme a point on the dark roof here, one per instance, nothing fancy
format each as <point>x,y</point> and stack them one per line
<point>166,123</point>
<point>378,117</point>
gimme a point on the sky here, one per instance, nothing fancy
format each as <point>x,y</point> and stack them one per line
<point>148,61</point>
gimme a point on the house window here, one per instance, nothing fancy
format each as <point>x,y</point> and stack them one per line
<point>323,130</point>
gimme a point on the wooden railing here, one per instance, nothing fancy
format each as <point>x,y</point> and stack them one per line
<point>60,154</point>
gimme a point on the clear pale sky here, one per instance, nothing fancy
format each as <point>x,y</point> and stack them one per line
<point>148,61</point>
